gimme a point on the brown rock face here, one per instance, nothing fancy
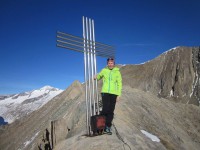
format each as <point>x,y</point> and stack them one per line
<point>173,75</point>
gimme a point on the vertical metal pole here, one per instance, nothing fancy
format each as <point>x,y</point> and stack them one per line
<point>85,77</point>
<point>92,67</point>
<point>95,67</point>
<point>89,76</point>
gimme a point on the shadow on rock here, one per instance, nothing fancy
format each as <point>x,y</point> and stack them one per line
<point>2,121</point>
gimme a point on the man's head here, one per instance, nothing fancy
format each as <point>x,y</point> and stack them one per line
<point>111,63</point>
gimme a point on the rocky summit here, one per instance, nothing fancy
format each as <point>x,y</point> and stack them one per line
<point>158,110</point>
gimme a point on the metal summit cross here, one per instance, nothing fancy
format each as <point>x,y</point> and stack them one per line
<point>91,49</point>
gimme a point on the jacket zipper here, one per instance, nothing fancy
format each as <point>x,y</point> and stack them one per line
<point>109,82</point>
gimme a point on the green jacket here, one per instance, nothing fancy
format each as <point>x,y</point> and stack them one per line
<point>112,80</point>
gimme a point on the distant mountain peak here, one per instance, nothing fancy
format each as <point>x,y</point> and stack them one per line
<point>48,87</point>
<point>15,106</point>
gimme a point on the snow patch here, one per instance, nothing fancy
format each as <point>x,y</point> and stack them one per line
<point>159,93</point>
<point>31,140</point>
<point>171,93</point>
<point>122,65</point>
<point>143,62</point>
<point>194,83</point>
<point>47,87</point>
<point>171,50</point>
<point>151,136</point>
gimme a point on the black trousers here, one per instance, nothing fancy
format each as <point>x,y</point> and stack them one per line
<point>109,101</point>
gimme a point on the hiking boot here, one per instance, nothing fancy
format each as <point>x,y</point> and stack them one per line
<point>108,131</point>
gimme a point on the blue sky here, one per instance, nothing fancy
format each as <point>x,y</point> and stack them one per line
<point>139,29</point>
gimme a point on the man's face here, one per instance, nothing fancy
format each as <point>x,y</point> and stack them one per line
<point>111,64</point>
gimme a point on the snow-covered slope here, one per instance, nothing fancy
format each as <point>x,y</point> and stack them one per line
<point>15,106</point>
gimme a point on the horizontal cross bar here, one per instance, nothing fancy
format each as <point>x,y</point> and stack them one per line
<point>86,46</point>
<point>82,51</point>
<point>97,47</point>
<point>87,51</point>
<point>82,39</point>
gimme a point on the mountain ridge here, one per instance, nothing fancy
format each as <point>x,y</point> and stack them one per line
<point>171,75</point>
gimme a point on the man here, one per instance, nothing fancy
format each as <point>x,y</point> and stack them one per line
<point>111,90</point>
